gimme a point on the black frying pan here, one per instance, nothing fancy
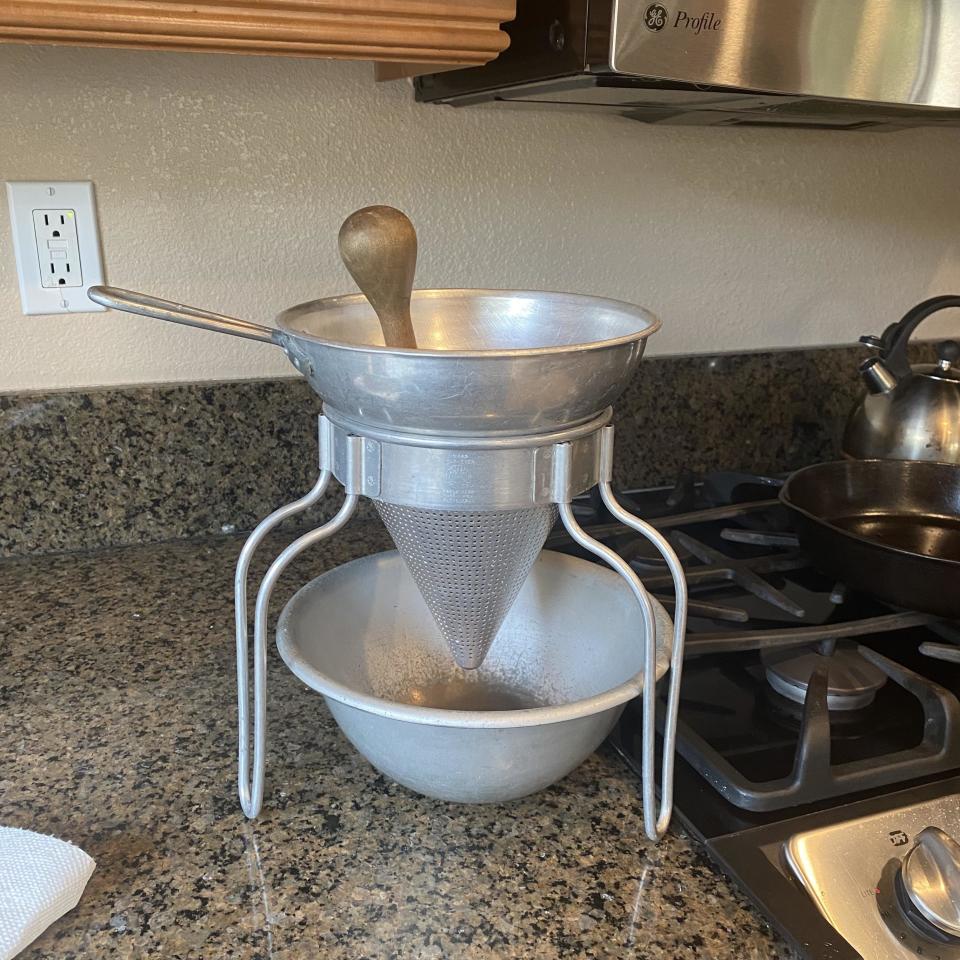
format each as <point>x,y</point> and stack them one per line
<point>888,527</point>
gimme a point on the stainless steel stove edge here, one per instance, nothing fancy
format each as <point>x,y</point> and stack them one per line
<point>851,868</point>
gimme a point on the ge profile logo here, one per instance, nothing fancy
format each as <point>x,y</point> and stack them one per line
<point>655,17</point>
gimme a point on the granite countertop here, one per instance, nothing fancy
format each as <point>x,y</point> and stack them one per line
<point>117,733</point>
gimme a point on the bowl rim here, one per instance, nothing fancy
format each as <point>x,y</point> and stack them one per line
<point>317,680</point>
<point>652,323</point>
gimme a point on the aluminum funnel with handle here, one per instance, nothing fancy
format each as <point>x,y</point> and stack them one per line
<point>490,361</point>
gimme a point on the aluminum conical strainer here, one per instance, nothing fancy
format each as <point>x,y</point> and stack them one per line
<point>469,565</point>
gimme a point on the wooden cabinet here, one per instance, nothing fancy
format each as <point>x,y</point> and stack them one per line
<point>463,32</point>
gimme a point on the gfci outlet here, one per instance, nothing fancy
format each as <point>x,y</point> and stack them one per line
<point>56,244</point>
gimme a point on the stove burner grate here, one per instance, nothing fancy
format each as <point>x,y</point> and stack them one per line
<point>814,777</point>
<point>752,591</point>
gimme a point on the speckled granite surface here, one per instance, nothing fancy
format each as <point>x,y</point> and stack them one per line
<point>141,464</point>
<point>117,733</point>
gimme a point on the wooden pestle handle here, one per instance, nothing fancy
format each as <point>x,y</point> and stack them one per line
<point>378,245</point>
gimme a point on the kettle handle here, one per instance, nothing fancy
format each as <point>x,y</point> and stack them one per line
<point>893,343</point>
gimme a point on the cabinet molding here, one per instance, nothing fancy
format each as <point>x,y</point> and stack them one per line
<point>395,31</point>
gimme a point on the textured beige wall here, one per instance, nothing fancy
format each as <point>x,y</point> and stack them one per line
<point>221,181</point>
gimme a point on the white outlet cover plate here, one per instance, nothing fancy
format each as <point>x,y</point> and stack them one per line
<point>23,198</point>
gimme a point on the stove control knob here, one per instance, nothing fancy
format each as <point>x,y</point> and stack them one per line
<point>930,882</point>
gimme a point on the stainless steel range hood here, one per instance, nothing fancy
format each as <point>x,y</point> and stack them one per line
<point>843,64</point>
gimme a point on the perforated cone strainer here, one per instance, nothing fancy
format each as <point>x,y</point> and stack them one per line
<point>469,565</point>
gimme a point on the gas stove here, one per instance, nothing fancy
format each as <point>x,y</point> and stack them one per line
<point>819,733</point>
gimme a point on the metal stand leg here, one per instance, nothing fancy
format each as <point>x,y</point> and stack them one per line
<point>676,654</point>
<point>250,784</point>
<point>649,653</point>
<point>676,667</point>
<point>655,820</point>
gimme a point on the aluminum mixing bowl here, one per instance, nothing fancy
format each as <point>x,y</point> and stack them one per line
<point>565,662</point>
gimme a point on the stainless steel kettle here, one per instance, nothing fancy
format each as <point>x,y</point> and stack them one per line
<point>909,413</point>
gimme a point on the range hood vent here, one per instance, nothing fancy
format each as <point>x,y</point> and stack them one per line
<point>822,64</point>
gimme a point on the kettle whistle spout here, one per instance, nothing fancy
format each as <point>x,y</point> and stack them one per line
<point>877,376</point>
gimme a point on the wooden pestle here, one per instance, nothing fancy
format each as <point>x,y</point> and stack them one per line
<point>378,245</point>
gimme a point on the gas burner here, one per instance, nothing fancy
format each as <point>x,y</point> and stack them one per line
<point>852,681</point>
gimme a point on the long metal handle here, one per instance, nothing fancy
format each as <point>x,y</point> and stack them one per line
<point>251,787</point>
<point>147,306</point>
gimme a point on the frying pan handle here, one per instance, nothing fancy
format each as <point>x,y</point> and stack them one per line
<point>147,306</point>
<point>894,341</point>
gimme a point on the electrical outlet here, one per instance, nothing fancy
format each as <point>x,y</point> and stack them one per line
<point>56,233</point>
<point>56,244</point>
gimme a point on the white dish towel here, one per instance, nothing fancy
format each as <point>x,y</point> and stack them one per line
<point>41,878</point>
